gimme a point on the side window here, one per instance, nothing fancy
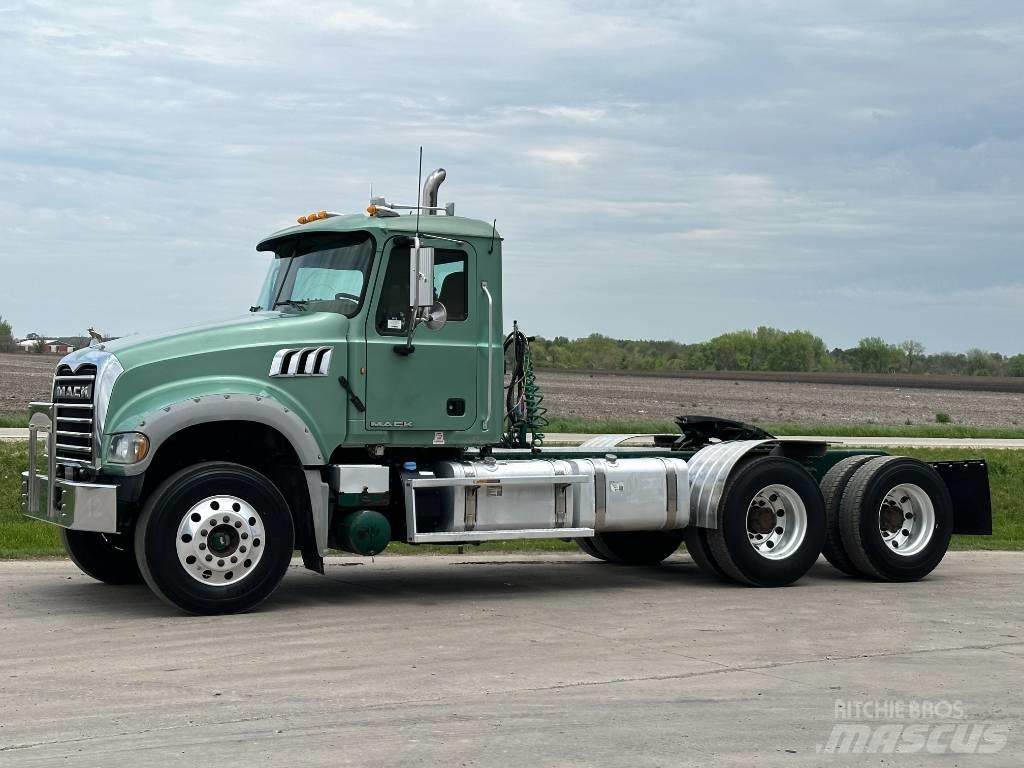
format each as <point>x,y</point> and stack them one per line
<point>450,288</point>
<point>450,283</point>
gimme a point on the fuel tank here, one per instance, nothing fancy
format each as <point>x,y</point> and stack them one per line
<point>609,494</point>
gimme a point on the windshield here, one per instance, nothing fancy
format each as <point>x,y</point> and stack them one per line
<point>323,273</point>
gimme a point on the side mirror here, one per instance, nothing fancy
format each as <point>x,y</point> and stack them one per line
<point>422,307</point>
<point>421,277</point>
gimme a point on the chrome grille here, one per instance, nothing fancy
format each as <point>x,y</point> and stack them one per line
<point>74,396</point>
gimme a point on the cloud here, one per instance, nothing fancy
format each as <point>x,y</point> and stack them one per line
<point>852,168</point>
<point>564,157</point>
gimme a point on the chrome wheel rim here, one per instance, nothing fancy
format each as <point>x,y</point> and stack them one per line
<point>776,522</point>
<point>906,519</point>
<point>220,540</point>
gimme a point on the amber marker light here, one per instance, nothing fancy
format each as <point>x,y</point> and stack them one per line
<point>372,210</point>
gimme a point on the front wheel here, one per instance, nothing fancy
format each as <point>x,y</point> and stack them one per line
<point>106,557</point>
<point>215,538</point>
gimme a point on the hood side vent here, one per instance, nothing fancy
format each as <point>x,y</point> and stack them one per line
<point>302,361</point>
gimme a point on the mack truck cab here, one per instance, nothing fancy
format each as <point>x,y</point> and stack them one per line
<point>363,400</point>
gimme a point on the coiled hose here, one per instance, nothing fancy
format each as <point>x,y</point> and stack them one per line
<point>523,410</point>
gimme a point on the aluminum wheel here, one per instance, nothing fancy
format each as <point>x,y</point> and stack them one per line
<point>776,522</point>
<point>906,519</point>
<point>220,540</point>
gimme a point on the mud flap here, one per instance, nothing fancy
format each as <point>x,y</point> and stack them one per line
<point>967,482</point>
<point>311,558</point>
<point>307,497</point>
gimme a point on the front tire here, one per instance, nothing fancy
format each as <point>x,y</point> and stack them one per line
<point>215,538</point>
<point>106,557</point>
<point>771,523</point>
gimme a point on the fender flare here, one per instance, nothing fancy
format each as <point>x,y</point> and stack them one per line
<point>711,466</point>
<point>170,419</point>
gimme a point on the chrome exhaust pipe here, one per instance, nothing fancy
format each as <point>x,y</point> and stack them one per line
<point>430,187</point>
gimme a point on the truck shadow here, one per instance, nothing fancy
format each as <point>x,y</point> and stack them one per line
<point>443,582</point>
<point>501,580</point>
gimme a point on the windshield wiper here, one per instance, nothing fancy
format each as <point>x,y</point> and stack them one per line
<point>298,304</point>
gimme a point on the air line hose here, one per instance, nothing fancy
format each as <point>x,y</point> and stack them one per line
<point>523,398</point>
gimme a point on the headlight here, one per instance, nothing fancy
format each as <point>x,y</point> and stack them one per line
<point>127,448</point>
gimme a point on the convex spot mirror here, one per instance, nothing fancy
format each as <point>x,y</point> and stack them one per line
<point>435,317</point>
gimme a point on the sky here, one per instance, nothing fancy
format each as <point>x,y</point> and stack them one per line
<point>666,170</point>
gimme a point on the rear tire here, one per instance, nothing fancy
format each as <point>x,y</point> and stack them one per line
<point>637,547</point>
<point>833,485</point>
<point>215,538</point>
<point>587,546</point>
<point>106,557</point>
<point>896,519</point>
<point>696,540</point>
<point>771,523</point>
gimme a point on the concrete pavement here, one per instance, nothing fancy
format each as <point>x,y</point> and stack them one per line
<point>505,660</point>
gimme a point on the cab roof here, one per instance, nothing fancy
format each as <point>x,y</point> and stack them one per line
<point>448,226</point>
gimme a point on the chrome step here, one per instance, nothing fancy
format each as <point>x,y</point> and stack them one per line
<point>457,537</point>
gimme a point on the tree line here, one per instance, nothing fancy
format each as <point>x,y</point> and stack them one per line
<point>767,349</point>
<point>6,337</point>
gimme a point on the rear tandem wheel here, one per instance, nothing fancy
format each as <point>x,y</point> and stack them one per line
<point>896,519</point>
<point>632,547</point>
<point>771,523</point>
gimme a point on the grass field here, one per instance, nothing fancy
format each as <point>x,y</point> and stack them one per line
<point>24,538</point>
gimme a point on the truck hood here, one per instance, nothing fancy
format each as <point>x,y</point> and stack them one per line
<point>258,329</point>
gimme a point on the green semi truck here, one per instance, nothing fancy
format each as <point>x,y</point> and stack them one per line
<point>370,396</point>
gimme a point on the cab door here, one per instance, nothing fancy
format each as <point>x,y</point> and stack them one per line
<point>433,388</point>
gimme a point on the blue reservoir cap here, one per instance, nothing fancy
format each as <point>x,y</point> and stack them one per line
<point>409,466</point>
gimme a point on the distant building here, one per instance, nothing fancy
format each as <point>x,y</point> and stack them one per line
<point>51,346</point>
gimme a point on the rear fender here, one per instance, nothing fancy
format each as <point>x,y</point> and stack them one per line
<point>711,466</point>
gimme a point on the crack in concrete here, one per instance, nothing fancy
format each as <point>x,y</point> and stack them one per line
<point>758,668</point>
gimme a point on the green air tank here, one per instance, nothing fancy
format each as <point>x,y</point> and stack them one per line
<point>363,532</point>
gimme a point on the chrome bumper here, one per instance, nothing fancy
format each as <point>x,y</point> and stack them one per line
<point>67,503</point>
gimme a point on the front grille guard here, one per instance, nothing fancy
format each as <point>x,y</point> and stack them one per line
<point>41,418</point>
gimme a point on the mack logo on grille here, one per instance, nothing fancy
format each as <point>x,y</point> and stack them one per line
<point>74,392</point>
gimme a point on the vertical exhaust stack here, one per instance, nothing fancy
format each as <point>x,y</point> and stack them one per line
<point>430,187</point>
